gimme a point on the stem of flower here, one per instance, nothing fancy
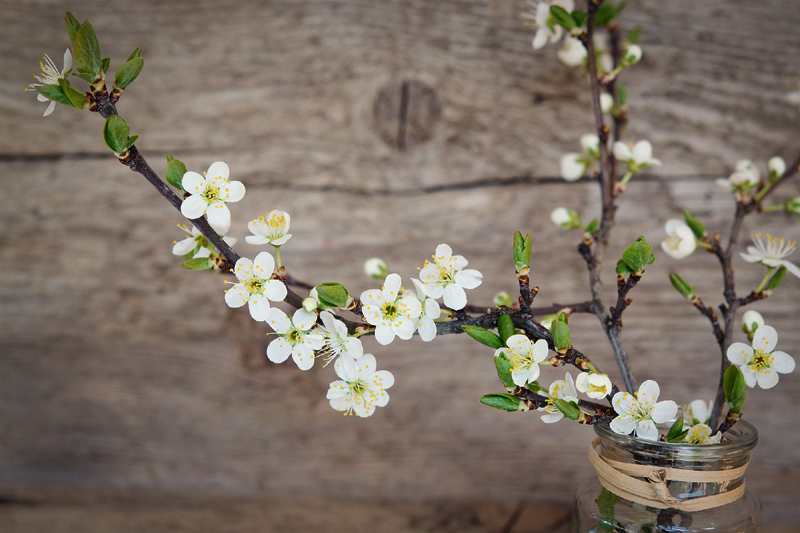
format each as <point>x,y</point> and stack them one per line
<point>769,208</point>
<point>765,280</point>
<point>278,257</point>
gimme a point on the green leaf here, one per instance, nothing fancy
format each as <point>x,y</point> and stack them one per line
<point>332,294</point>
<point>131,141</point>
<point>561,338</point>
<point>622,93</point>
<point>77,98</point>
<point>198,263</point>
<point>503,367</point>
<point>676,429</point>
<point>534,386</point>
<point>681,286</point>
<point>86,76</point>
<point>484,336</point>
<point>54,93</point>
<point>591,229</point>
<point>505,327</point>
<point>775,280</point>
<point>87,51</point>
<point>561,17</point>
<point>633,35</point>
<point>175,171</point>
<point>568,409</point>
<point>72,26</point>
<point>579,17</point>
<point>106,63</point>
<point>504,402</point>
<point>136,53</point>
<point>637,256</point>
<point>522,250</point>
<point>606,502</point>
<point>679,437</point>
<point>128,71</point>
<point>115,133</point>
<point>605,14</point>
<point>622,267</point>
<point>696,226</point>
<point>735,389</point>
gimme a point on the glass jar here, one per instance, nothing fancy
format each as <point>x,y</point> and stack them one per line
<point>598,510</point>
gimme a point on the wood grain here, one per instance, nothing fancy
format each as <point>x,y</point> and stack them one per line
<point>118,369</point>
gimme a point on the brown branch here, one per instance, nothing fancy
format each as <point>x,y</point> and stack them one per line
<point>602,414</point>
<point>709,313</point>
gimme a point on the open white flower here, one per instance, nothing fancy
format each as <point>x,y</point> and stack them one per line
<point>697,412</point>
<point>680,241</point>
<point>641,412</point>
<point>638,158</point>
<point>525,357</point>
<point>337,341</point>
<point>772,254</point>
<point>546,28</point>
<point>269,229</point>
<point>430,312</point>
<point>210,193</point>
<point>196,239</point>
<point>745,177</point>
<point>446,277</point>
<point>255,286</point>
<point>594,384</point>
<point>295,337</point>
<point>391,310</point>
<point>50,76</point>
<point>701,434</point>
<point>559,390</point>
<point>361,388</point>
<point>760,363</point>
<point>572,53</point>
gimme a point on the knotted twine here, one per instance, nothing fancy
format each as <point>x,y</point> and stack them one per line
<point>621,479</point>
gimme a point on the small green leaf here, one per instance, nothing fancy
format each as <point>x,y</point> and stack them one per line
<point>522,250</point>
<point>332,294</point>
<point>534,386</point>
<point>775,280</point>
<point>136,53</point>
<point>504,402</point>
<point>679,437</point>
<point>606,502</point>
<point>128,71</point>
<point>568,409</point>
<point>86,76</point>
<point>561,17</point>
<point>131,141</point>
<point>681,286</point>
<point>591,229</point>
<point>622,267</point>
<point>505,327</point>
<point>561,338</point>
<point>87,51</point>
<point>76,98</point>
<point>484,336</point>
<point>72,25</point>
<point>605,14</point>
<point>54,93</point>
<point>638,255</point>
<point>735,389</point>
<point>503,367</point>
<point>622,93</point>
<point>198,263</point>
<point>175,171</point>
<point>696,226</point>
<point>579,17</point>
<point>633,35</point>
<point>106,63</point>
<point>115,133</point>
<point>676,429</point>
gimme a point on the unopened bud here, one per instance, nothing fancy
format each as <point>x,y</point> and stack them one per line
<point>751,321</point>
<point>376,268</point>
<point>606,103</point>
<point>568,219</point>
<point>310,304</point>
<point>633,54</point>
<point>776,167</point>
<point>503,299</point>
<point>793,205</point>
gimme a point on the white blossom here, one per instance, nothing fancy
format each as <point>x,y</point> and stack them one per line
<point>376,268</point>
<point>701,434</point>
<point>744,177</point>
<point>572,53</point>
<point>391,310</point>
<point>641,412</point>
<point>430,312</point>
<point>573,166</point>
<point>210,193</point>
<point>697,412</point>
<point>751,321</point>
<point>590,143</point>
<point>525,357</point>
<point>606,103</point>
<point>295,337</point>
<point>559,390</point>
<point>196,239</point>
<point>760,363</point>
<point>776,166</point>
<point>565,218</point>
<point>546,28</point>
<point>50,76</point>
<point>637,158</point>
<point>772,254</point>
<point>337,341</point>
<point>446,277</point>
<point>361,388</point>
<point>631,55</point>
<point>255,286</point>
<point>594,384</point>
<point>269,229</point>
<point>680,241</point>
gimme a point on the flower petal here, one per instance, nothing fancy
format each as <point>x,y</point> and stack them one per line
<point>303,356</point>
<point>193,183</point>
<point>738,353</point>
<point>218,213</point>
<point>623,425</point>
<point>384,334</point>
<point>278,320</point>
<point>185,246</point>
<point>646,429</point>
<point>391,287</point>
<point>454,297</point>
<point>218,170</point>
<point>303,319</point>
<point>275,290</point>
<point>427,329</point>
<point>236,296</point>
<point>750,377</point>
<point>259,307</point>
<point>279,350</point>
<point>767,379</point>
<point>782,362</point>
<point>623,403</point>
<point>765,339</point>
<point>469,278</point>
<point>193,207</point>
<point>664,411</point>
<point>648,392</point>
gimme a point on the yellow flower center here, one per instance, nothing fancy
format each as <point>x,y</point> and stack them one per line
<point>761,361</point>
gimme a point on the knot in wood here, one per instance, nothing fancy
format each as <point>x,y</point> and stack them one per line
<point>405,113</point>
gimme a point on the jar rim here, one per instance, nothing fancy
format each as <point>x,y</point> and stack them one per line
<point>742,437</point>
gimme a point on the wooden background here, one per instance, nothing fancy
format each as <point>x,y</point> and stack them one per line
<point>119,370</point>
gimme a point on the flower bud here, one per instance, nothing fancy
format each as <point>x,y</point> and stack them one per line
<point>565,218</point>
<point>503,298</point>
<point>633,54</point>
<point>573,166</point>
<point>591,144</point>
<point>793,205</point>
<point>606,103</point>
<point>376,268</point>
<point>751,321</point>
<point>776,167</point>
<point>310,304</point>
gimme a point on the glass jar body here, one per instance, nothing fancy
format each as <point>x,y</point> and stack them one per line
<point>597,510</point>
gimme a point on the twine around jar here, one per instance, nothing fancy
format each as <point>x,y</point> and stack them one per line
<point>620,478</point>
